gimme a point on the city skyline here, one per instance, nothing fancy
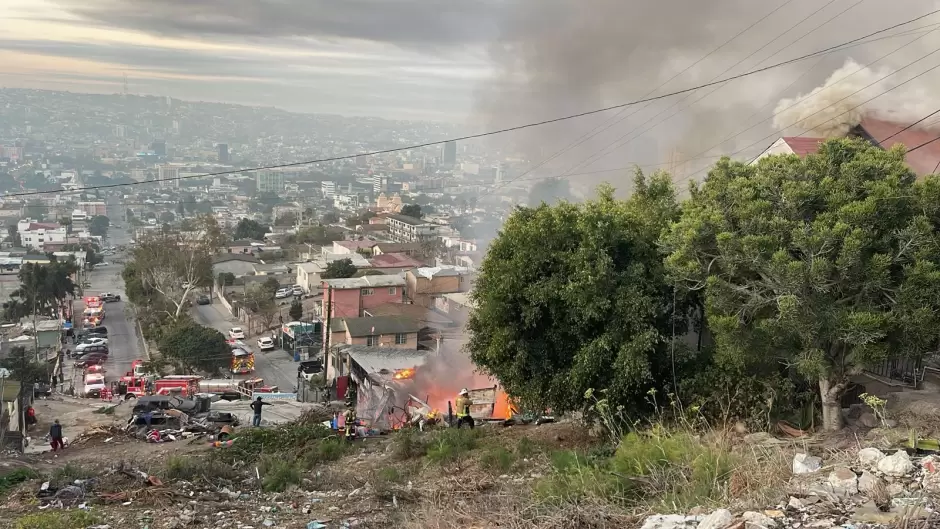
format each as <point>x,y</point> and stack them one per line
<point>349,63</point>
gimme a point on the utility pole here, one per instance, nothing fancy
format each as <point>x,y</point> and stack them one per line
<point>326,331</point>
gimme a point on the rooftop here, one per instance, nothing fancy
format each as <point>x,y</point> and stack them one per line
<point>383,360</point>
<point>406,219</point>
<point>425,317</point>
<point>803,146</point>
<point>354,245</point>
<point>395,260</point>
<point>225,257</point>
<point>366,282</point>
<point>361,327</point>
<point>441,271</point>
<point>460,298</point>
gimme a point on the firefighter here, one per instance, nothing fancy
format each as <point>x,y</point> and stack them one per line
<point>463,404</point>
<point>349,417</point>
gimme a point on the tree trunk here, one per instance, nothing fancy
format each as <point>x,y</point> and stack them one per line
<point>831,394</point>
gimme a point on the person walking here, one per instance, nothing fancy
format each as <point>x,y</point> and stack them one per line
<point>256,407</point>
<point>463,404</point>
<point>55,433</point>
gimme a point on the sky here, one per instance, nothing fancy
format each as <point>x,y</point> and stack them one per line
<point>344,57</point>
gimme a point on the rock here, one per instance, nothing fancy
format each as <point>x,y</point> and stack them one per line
<point>868,482</point>
<point>760,438</point>
<point>806,464</point>
<point>869,457</point>
<point>796,504</point>
<point>868,420</point>
<point>896,489</point>
<point>267,522</point>
<point>671,521</point>
<point>897,464</point>
<point>717,520</point>
<point>844,482</point>
<point>757,520</point>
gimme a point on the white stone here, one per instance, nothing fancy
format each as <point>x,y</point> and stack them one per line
<point>717,520</point>
<point>844,482</point>
<point>758,520</point>
<point>869,457</point>
<point>671,521</point>
<point>897,464</point>
<point>806,464</point>
<point>868,482</point>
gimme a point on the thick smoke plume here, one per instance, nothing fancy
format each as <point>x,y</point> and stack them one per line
<point>443,375</point>
<point>565,56</point>
<point>852,93</point>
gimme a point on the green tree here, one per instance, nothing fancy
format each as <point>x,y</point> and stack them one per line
<point>167,217</point>
<point>271,285</point>
<point>296,310</point>
<point>226,279</point>
<point>289,218</point>
<point>98,225</point>
<point>330,217</point>
<point>36,210</point>
<point>13,236</point>
<point>829,264</point>
<point>23,366</point>
<point>411,210</point>
<point>259,299</point>
<point>320,235</point>
<point>195,348</point>
<point>250,229</point>
<point>573,297</point>
<point>339,269</point>
<point>173,265</point>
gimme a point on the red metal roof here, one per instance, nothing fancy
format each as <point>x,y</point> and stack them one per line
<point>924,160</point>
<point>803,146</point>
<point>395,260</point>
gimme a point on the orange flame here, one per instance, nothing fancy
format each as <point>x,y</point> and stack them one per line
<point>404,374</point>
<point>503,408</point>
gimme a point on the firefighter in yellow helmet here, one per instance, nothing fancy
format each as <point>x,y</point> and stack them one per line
<point>349,418</point>
<point>463,404</point>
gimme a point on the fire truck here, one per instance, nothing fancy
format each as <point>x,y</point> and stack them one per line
<point>243,361</point>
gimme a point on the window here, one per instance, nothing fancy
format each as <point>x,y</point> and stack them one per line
<point>401,339</point>
<point>372,341</point>
<point>392,291</point>
<point>367,292</point>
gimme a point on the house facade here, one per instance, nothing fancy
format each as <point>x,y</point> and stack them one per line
<point>403,228</point>
<point>347,298</point>
<point>426,283</point>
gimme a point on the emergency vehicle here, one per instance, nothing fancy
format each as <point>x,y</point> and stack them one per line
<point>243,361</point>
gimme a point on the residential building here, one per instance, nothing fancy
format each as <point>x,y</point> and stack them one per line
<point>399,332</point>
<point>449,153</point>
<point>407,248</point>
<point>168,175</point>
<point>371,369</point>
<point>351,247</point>
<point>328,189</point>
<point>242,246</point>
<point>223,152</point>
<point>394,263</point>
<point>456,306</point>
<point>235,263</point>
<point>403,228</point>
<point>269,181</point>
<point>79,215</point>
<point>347,298</point>
<point>34,235</point>
<point>308,274</point>
<point>425,284</point>
<point>389,205</point>
<point>379,184</point>
<point>94,209</point>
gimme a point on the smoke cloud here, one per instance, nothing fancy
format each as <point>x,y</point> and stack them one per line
<point>561,56</point>
<point>443,375</point>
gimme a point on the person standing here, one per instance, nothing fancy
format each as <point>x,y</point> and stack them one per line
<point>463,404</point>
<point>256,407</point>
<point>55,432</point>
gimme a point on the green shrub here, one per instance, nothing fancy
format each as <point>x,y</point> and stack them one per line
<point>291,438</point>
<point>408,445</point>
<point>75,519</point>
<point>190,468</point>
<point>326,450</point>
<point>67,474</point>
<point>498,459</point>
<point>280,475</point>
<point>14,478</point>
<point>448,445</point>
<point>577,476</point>
<point>526,447</point>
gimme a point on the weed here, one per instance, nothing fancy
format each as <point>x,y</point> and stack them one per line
<point>498,460</point>
<point>188,468</point>
<point>105,410</point>
<point>280,475</point>
<point>526,448</point>
<point>330,449</point>
<point>386,485</point>
<point>877,406</point>
<point>76,519</point>
<point>290,438</point>
<point>408,445</point>
<point>67,474</point>
<point>448,445</point>
<point>576,477</point>
<point>14,478</point>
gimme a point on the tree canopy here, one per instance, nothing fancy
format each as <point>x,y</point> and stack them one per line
<point>830,263</point>
<point>250,229</point>
<point>411,210</point>
<point>195,348</point>
<point>549,190</point>
<point>296,310</point>
<point>339,269</point>
<point>98,225</point>
<point>574,297</point>
<point>42,288</point>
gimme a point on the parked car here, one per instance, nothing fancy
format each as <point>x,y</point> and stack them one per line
<point>89,350</point>
<point>41,389</point>
<point>108,297</point>
<point>89,341</point>
<point>94,383</point>
<point>282,293</point>
<point>297,291</point>
<point>99,330</point>
<point>203,300</point>
<point>236,333</point>
<point>265,343</point>
<point>91,360</point>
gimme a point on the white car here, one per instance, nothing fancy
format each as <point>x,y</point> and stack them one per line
<point>94,383</point>
<point>265,344</point>
<point>91,341</point>
<point>282,293</point>
<point>236,333</point>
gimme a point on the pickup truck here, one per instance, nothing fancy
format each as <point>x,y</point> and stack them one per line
<point>108,297</point>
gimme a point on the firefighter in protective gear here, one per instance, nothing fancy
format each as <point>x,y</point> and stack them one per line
<point>463,404</point>
<point>349,417</point>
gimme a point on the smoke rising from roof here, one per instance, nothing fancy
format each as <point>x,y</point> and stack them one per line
<point>560,57</point>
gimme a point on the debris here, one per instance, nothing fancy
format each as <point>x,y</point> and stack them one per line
<point>756,520</point>
<point>806,464</point>
<point>671,521</point>
<point>869,457</point>
<point>896,465</point>
<point>316,525</point>
<point>844,482</point>
<point>717,520</point>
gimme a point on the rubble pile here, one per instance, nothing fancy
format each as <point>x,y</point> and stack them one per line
<point>875,490</point>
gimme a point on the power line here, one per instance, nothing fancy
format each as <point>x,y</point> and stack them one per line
<point>508,129</point>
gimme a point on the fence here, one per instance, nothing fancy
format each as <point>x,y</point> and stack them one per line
<point>220,293</point>
<point>909,372</point>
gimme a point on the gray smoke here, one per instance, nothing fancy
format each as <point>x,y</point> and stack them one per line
<point>560,57</point>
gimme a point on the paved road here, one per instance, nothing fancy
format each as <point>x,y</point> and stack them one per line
<point>275,367</point>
